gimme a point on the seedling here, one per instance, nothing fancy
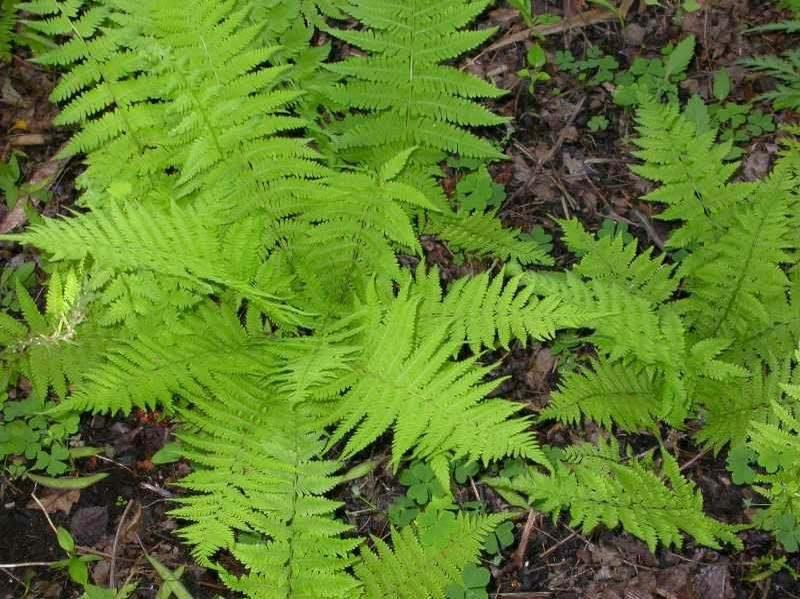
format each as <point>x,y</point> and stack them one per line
<point>598,123</point>
<point>532,20</point>
<point>536,59</point>
<point>501,538</point>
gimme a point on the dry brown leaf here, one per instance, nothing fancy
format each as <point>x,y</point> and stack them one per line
<point>57,501</point>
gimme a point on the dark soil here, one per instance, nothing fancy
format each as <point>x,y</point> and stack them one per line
<point>558,169</point>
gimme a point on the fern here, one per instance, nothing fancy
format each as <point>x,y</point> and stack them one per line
<point>485,311</point>
<point>690,168</point>
<point>259,487</point>
<point>386,571</point>
<point>8,21</point>
<point>407,381</point>
<point>776,448</point>
<point>784,69</point>
<point>407,96</point>
<point>657,505</point>
<point>173,242</point>
<point>483,236</point>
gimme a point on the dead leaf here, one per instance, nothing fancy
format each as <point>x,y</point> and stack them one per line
<point>29,139</point>
<point>57,501</point>
<point>89,524</point>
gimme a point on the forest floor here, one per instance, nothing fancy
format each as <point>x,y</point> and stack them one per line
<point>558,167</point>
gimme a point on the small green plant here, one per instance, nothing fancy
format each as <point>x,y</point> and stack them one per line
<point>595,68</point>
<point>655,77</point>
<point>21,273</point>
<point>76,565</point>
<point>477,191</point>
<point>31,440</point>
<point>536,59</point>
<point>598,123</point>
<point>423,487</point>
<point>530,19</point>
<point>473,584</point>
<point>501,538</point>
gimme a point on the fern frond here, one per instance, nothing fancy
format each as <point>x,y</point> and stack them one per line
<point>690,168</point>
<point>483,235</point>
<point>258,493</point>
<point>402,92</point>
<point>8,21</point>
<point>484,311</point>
<point>655,504</point>
<point>608,393</point>
<point>413,570</point>
<point>735,279</point>
<point>611,258</point>
<point>174,241</point>
<point>776,446</point>
<point>785,69</point>
<point>437,407</point>
<point>206,349</point>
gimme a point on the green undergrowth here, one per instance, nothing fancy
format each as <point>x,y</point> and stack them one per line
<point>239,258</point>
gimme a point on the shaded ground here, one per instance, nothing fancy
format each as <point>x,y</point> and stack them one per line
<point>558,168</point>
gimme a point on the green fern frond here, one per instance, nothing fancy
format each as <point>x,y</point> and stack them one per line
<point>407,381</point>
<point>784,69</point>
<point>405,95</point>
<point>729,408</point>
<point>608,393</point>
<point>655,504</point>
<point>204,350</point>
<point>611,258</point>
<point>258,490</point>
<point>690,168</point>
<point>776,447</point>
<point>484,311</point>
<point>174,242</point>
<point>483,236</point>
<point>412,570</point>
<point>8,21</point>
<point>735,278</point>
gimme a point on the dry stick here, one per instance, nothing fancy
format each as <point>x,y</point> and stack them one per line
<point>116,542</point>
<point>694,460</point>
<point>518,559</point>
<point>46,515</point>
<point>549,156</point>
<point>25,565</point>
<point>572,535</point>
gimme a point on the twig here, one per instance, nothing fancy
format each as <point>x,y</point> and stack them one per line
<point>584,19</point>
<point>518,559</point>
<point>116,542</point>
<point>572,535</point>
<point>25,565</point>
<point>694,460</point>
<point>46,515</point>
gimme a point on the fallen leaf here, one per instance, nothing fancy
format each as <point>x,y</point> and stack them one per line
<point>89,524</point>
<point>57,501</point>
